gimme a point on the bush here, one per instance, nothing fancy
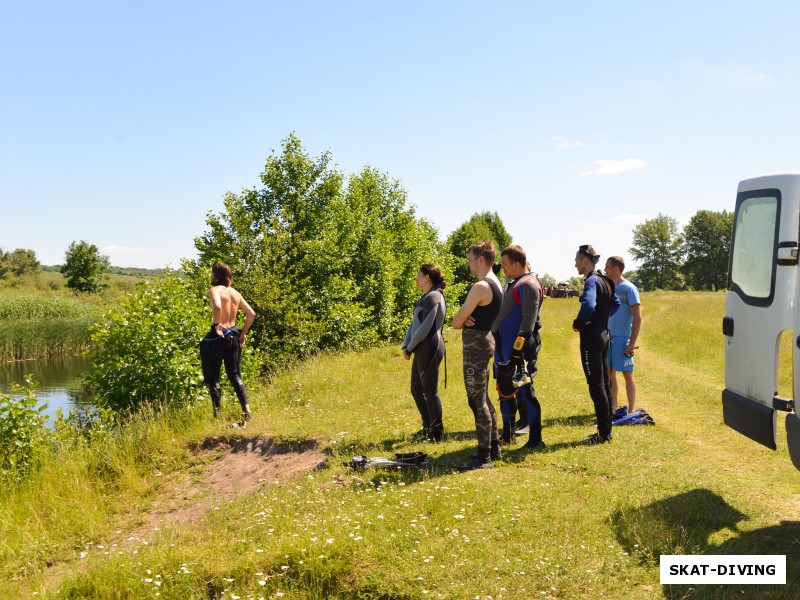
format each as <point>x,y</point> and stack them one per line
<point>146,351</point>
<point>23,437</point>
<point>327,261</point>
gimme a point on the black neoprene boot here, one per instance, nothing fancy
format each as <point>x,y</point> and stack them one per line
<point>495,453</point>
<point>506,435</point>
<point>481,461</point>
<point>246,416</point>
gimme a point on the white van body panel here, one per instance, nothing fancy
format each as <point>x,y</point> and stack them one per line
<point>761,302</point>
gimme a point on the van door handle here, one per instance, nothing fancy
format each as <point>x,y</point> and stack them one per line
<point>787,253</point>
<point>727,328</point>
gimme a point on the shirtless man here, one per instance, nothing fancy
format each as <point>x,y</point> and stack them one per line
<point>223,343</point>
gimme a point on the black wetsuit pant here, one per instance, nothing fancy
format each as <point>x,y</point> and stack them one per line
<point>478,352</point>
<point>216,351</point>
<point>594,358</point>
<point>425,383</point>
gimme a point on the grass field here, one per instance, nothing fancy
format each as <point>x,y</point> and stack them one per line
<point>43,318</point>
<point>569,522</point>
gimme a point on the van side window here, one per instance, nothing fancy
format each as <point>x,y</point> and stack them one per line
<point>753,257</point>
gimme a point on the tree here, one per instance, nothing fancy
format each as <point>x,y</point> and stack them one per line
<point>658,247</point>
<point>326,261</point>
<point>4,266</point>
<point>84,267</point>
<point>707,243</point>
<point>547,280</point>
<point>480,227</point>
<point>23,262</point>
<point>576,282</point>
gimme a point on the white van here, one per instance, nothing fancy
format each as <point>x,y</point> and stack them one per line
<point>761,303</point>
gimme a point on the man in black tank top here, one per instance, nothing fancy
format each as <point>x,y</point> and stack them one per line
<point>475,318</point>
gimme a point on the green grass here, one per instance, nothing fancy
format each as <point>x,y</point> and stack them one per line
<point>571,522</point>
<point>43,318</point>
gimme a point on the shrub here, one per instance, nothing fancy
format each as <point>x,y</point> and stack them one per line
<point>146,351</point>
<point>23,437</point>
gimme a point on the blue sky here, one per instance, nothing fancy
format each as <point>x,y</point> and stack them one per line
<point>125,123</point>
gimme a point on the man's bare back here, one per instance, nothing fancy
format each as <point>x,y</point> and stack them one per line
<point>225,304</point>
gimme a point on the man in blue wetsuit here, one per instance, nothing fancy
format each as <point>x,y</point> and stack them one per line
<point>598,303</point>
<point>517,344</point>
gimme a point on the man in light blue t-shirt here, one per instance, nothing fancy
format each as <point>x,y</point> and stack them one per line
<point>624,326</point>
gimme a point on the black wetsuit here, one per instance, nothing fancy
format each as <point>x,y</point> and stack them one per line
<point>598,302</point>
<point>478,350</point>
<point>216,350</point>
<point>424,341</point>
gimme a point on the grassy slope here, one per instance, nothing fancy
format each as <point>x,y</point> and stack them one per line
<point>572,522</point>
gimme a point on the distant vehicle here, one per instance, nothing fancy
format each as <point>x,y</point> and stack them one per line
<point>563,290</point>
<point>762,301</point>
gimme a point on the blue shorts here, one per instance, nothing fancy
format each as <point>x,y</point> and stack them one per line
<point>620,361</point>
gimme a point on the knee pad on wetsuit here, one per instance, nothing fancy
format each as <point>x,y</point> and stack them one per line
<point>505,379</point>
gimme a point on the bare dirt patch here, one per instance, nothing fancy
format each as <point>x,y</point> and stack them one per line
<point>235,467</point>
<point>226,468</point>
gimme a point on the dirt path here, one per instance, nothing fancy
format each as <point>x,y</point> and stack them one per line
<point>242,466</point>
<point>228,468</point>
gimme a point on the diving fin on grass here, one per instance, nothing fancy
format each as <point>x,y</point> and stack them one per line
<point>402,460</point>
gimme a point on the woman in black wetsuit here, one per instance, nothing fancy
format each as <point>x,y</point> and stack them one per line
<point>424,341</point>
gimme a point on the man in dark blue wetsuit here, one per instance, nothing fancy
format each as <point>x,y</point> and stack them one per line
<point>598,303</point>
<point>517,344</point>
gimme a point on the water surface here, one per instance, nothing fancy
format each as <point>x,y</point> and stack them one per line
<point>59,381</point>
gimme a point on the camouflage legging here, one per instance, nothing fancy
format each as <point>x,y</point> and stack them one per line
<point>478,351</point>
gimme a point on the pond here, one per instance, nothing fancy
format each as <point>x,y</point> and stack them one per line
<point>59,381</point>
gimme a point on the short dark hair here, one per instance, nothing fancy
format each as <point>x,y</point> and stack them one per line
<point>589,253</point>
<point>221,274</point>
<point>617,262</point>
<point>515,254</point>
<point>484,249</point>
<point>435,273</point>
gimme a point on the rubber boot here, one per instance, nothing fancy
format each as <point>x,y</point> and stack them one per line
<point>481,461</point>
<point>495,453</point>
<point>534,443</point>
<point>506,435</point>
<point>246,416</point>
<point>436,433</point>
<point>421,435</point>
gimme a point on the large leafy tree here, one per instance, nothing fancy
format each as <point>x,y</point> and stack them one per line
<point>84,267</point>
<point>23,262</point>
<point>326,261</point>
<point>4,266</point>
<point>707,243</point>
<point>484,226</point>
<point>658,248</point>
